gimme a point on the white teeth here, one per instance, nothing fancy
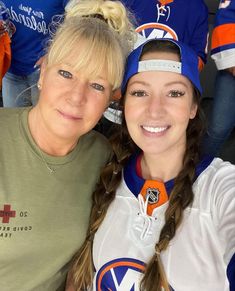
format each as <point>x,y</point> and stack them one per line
<point>154,129</point>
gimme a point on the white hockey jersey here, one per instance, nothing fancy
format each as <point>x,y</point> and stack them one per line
<point>200,254</point>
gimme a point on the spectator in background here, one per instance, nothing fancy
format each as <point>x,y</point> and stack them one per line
<point>182,20</point>
<point>222,119</point>
<point>34,21</point>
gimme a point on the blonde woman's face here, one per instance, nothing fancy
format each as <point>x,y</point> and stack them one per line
<point>158,108</point>
<point>70,102</point>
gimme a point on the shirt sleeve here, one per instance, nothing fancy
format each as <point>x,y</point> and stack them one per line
<point>223,36</point>
<point>223,213</point>
<point>198,23</point>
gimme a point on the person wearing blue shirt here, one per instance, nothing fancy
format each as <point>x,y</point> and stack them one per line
<point>222,118</point>
<point>182,20</point>
<point>34,23</point>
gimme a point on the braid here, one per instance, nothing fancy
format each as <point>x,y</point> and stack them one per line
<point>82,266</point>
<point>181,197</point>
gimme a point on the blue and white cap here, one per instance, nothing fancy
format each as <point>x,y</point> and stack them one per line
<point>188,65</point>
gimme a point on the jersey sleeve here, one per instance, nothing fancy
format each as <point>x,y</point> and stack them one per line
<point>223,213</point>
<point>198,24</point>
<point>223,36</point>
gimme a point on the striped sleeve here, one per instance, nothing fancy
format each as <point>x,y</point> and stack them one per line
<point>223,36</point>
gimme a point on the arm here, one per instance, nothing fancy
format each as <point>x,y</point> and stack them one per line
<point>232,70</point>
<point>199,29</point>
<point>223,36</point>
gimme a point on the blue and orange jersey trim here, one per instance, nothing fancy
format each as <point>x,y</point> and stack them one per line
<point>137,185</point>
<point>223,36</point>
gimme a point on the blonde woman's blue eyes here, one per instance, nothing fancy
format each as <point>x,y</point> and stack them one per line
<point>176,93</point>
<point>97,87</point>
<point>65,74</point>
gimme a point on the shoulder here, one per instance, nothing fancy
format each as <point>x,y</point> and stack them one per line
<point>217,171</point>
<point>96,143</point>
<point>215,184</point>
<point>219,168</point>
<point>95,138</point>
<point>10,115</point>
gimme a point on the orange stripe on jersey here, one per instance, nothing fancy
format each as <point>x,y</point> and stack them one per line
<point>223,35</point>
<point>157,194</point>
<point>165,2</point>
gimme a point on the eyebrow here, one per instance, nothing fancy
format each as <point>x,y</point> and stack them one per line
<point>139,82</point>
<point>176,82</point>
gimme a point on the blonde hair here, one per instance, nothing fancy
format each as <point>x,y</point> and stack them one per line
<point>94,44</point>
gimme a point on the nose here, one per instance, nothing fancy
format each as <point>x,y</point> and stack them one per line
<point>156,106</point>
<point>78,94</point>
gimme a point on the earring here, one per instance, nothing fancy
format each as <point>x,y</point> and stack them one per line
<point>39,86</point>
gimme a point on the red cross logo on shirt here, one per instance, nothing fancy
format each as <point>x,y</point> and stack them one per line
<point>7,213</point>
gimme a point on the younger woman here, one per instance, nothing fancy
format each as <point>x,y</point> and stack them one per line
<point>163,218</point>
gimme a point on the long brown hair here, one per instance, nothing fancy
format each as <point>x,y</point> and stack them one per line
<point>181,196</point>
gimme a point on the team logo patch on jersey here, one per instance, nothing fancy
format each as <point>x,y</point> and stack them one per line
<point>153,194</point>
<point>156,194</point>
<point>120,275</point>
<point>154,30</point>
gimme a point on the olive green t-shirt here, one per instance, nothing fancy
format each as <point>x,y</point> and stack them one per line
<point>43,215</point>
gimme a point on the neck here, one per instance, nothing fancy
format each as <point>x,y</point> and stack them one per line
<point>45,139</point>
<point>162,167</point>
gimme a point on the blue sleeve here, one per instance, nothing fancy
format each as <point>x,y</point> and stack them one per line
<point>199,23</point>
<point>231,273</point>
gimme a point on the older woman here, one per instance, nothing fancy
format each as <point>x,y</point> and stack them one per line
<point>49,157</point>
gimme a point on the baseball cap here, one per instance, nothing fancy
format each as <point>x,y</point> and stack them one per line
<point>188,65</point>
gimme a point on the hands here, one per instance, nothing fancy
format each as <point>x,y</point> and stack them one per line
<point>39,62</point>
<point>231,70</point>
